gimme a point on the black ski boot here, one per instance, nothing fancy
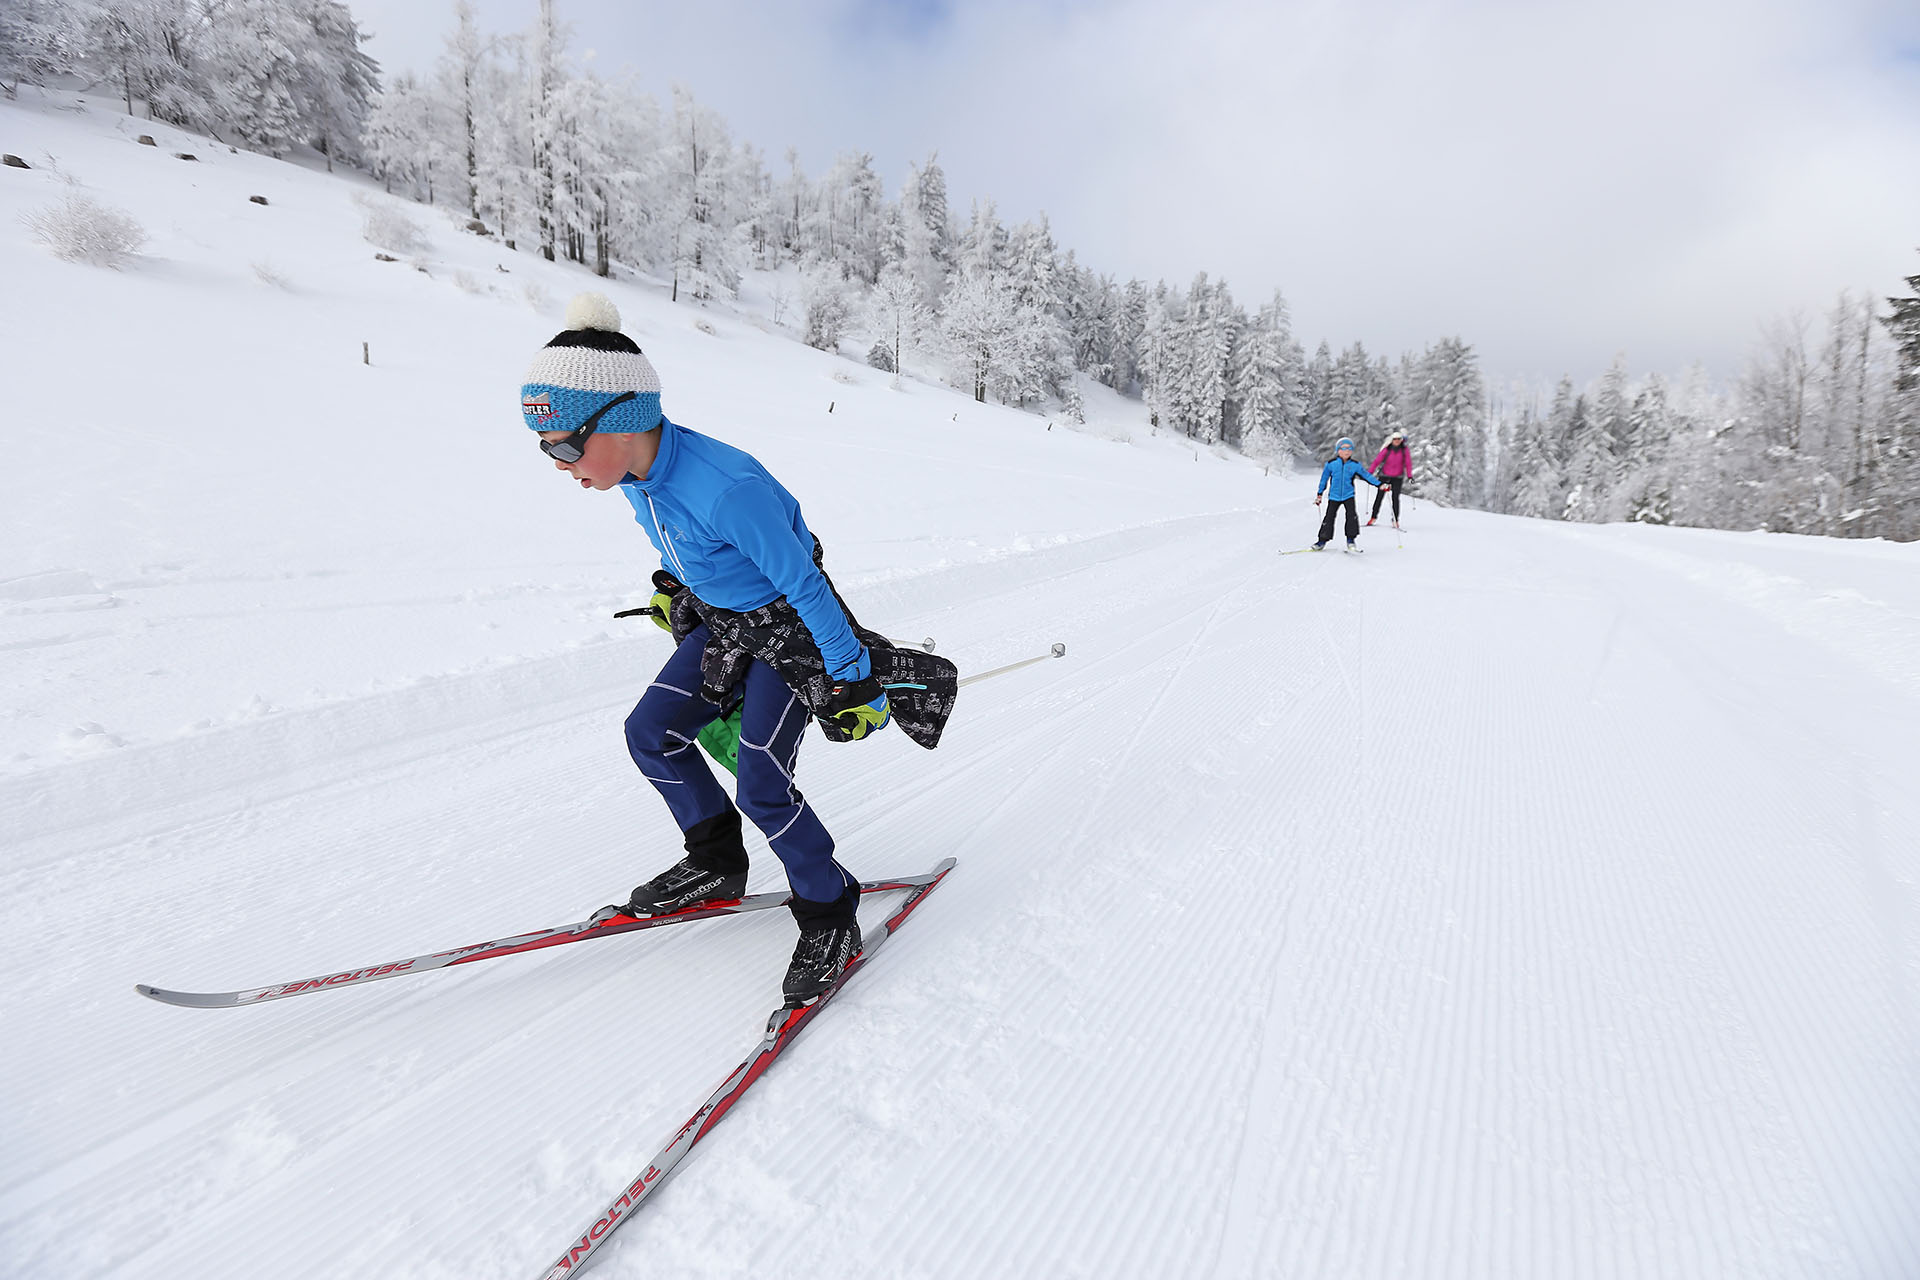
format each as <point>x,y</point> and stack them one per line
<point>829,940</point>
<point>714,870</point>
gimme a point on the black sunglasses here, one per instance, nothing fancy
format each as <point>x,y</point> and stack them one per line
<point>575,445</point>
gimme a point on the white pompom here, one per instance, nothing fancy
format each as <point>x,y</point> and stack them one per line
<point>593,311</point>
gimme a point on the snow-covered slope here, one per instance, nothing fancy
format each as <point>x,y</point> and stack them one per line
<point>1527,900</point>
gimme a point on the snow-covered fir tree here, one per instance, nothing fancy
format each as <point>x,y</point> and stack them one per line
<point>1269,385</point>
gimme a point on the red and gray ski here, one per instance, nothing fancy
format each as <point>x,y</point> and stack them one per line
<point>580,932</point>
<point>782,1027</point>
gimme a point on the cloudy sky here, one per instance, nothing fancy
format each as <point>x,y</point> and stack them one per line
<point>1554,182</point>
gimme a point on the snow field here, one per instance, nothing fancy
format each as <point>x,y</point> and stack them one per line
<point>1531,901</point>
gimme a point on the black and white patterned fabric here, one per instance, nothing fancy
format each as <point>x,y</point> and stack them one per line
<point>922,687</point>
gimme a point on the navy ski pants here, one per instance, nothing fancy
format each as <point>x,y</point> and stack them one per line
<point>661,738</point>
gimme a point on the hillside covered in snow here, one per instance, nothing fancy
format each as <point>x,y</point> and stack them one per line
<point>1515,899</point>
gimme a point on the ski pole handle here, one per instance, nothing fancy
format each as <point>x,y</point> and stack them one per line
<point>1058,651</point>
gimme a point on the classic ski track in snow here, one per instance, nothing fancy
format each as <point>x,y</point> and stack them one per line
<point>1484,996</point>
<point>1538,901</point>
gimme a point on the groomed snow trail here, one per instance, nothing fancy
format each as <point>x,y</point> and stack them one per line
<point>1498,906</point>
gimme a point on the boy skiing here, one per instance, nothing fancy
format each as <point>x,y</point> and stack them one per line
<point>1336,482</point>
<point>760,633</point>
<point>1393,464</point>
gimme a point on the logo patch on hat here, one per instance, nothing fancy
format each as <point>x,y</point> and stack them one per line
<point>536,406</point>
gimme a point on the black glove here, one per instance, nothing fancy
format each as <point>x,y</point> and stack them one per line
<point>667,592</point>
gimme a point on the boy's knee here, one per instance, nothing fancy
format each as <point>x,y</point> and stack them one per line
<point>646,728</point>
<point>764,792</point>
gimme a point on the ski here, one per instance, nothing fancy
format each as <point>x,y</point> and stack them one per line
<point>1299,551</point>
<point>782,1027</point>
<point>578,932</point>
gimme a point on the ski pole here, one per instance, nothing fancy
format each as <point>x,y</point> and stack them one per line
<point>1058,651</point>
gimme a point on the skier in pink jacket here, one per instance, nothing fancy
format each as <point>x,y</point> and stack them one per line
<point>1394,465</point>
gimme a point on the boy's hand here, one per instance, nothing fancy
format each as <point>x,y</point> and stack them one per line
<point>665,588</point>
<point>855,709</point>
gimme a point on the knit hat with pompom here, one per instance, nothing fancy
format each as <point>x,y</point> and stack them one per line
<point>585,366</point>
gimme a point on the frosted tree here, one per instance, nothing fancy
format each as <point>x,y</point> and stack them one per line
<point>1198,395</point>
<point>1610,410</point>
<point>700,163</point>
<point>1033,265</point>
<point>1090,305</point>
<point>977,320</point>
<point>1643,477</point>
<point>1411,393</point>
<point>255,45</point>
<point>153,50</point>
<point>1163,354</point>
<point>898,314</point>
<point>1031,362</point>
<point>1319,386</point>
<point>824,296</point>
<point>400,138</point>
<point>1535,485</point>
<point>925,248</point>
<point>1129,330</point>
<point>1454,424</point>
<point>844,224</point>
<point>546,66</point>
<point>1847,420</point>
<point>337,82</point>
<point>983,245</point>
<point>1773,388</point>
<point>1560,424</point>
<point>793,197</point>
<point>505,147</point>
<point>1268,377</point>
<point>1898,464</point>
<point>1903,323</point>
<point>40,39</point>
<point>758,229</point>
<point>1345,410</point>
<point>592,167</point>
<point>461,75</point>
<point>1589,465</point>
<point>127,42</point>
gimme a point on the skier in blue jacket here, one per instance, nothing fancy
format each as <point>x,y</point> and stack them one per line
<point>759,626</point>
<point>1336,480</point>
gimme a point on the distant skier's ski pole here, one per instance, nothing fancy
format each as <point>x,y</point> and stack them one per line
<point>1058,651</point>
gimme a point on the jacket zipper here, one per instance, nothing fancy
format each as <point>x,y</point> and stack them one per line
<point>666,539</point>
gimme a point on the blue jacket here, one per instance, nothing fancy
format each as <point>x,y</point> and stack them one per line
<point>725,527</point>
<point>1338,476</point>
